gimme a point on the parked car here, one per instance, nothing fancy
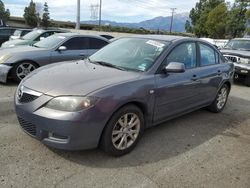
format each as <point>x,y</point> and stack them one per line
<point>19,33</point>
<point>131,84</point>
<point>20,61</point>
<point>5,33</point>
<point>31,38</point>
<point>238,51</point>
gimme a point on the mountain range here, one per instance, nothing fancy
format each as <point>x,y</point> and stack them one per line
<point>161,23</point>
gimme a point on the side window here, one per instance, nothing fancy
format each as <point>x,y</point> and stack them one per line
<point>77,43</point>
<point>184,53</point>
<point>96,43</point>
<point>207,55</point>
<point>5,32</point>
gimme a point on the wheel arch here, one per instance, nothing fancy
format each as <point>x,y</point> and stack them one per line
<point>142,106</point>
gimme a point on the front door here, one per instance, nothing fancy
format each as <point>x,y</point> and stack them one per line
<point>176,93</point>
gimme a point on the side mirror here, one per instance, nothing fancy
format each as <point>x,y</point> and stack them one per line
<point>62,48</point>
<point>174,67</point>
<point>41,38</point>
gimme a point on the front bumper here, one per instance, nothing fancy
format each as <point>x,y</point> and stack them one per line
<point>241,69</point>
<point>4,71</point>
<point>61,130</point>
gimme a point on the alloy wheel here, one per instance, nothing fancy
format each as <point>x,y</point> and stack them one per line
<point>24,69</point>
<point>222,98</point>
<point>126,131</point>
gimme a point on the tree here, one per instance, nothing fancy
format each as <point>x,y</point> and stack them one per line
<point>4,13</point>
<point>46,18</point>
<point>236,24</point>
<point>30,16</point>
<point>216,21</point>
<point>199,15</point>
<point>188,27</point>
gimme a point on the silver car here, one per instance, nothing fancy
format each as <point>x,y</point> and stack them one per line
<point>20,61</point>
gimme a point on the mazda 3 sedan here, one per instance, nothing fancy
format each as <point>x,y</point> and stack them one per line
<point>108,99</point>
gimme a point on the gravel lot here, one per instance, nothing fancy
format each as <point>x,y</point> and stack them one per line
<point>200,149</point>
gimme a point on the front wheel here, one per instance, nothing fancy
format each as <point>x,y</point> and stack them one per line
<point>21,70</point>
<point>123,131</point>
<point>221,99</point>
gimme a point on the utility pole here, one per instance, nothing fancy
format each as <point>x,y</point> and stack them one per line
<point>78,15</point>
<point>172,18</point>
<point>100,15</point>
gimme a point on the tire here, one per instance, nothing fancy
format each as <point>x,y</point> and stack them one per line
<point>115,135</point>
<point>218,106</point>
<point>247,81</point>
<point>20,70</point>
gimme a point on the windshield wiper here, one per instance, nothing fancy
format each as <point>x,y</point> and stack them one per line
<point>106,64</point>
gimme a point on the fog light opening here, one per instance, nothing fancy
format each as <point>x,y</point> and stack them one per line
<point>57,137</point>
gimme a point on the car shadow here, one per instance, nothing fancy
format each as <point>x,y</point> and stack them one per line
<point>169,139</point>
<point>9,83</point>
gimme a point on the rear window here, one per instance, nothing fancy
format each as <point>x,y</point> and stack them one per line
<point>96,43</point>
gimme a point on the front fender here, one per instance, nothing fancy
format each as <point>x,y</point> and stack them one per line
<point>4,71</point>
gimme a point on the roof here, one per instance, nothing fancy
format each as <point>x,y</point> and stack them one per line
<point>80,35</point>
<point>241,39</point>
<point>160,37</point>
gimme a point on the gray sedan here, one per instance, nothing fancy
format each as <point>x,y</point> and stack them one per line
<point>131,84</point>
<point>18,62</point>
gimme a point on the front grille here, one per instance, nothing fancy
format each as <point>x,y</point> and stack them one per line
<point>232,58</point>
<point>26,98</point>
<point>27,126</point>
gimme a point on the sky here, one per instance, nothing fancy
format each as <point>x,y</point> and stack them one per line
<point>113,10</point>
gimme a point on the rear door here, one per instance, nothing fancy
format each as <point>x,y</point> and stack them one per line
<point>210,71</point>
<point>176,93</point>
<point>77,48</point>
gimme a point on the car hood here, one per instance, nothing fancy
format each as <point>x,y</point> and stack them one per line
<point>20,49</point>
<point>14,43</point>
<point>75,78</point>
<point>240,53</point>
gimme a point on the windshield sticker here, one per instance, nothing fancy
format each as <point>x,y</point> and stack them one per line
<point>61,37</point>
<point>155,43</point>
<point>39,32</point>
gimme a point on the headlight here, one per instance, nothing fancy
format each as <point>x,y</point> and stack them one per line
<point>5,57</point>
<point>71,103</point>
<point>244,60</point>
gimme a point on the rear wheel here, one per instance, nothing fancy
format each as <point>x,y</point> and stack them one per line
<point>123,131</point>
<point>221,99</point>
<point>21,70</point>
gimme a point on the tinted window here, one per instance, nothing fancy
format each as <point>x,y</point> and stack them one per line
<point>207,55</point>
<point>96,43</point>
<point>24,33</point>
<point>184,53</point>
<point>5,32</point>
<point>77,43</point>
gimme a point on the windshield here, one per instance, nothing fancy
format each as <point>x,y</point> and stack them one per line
<point>238,45</point>
<point>32,35</point>
<point>50,42</point>
<point>131,53</point>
